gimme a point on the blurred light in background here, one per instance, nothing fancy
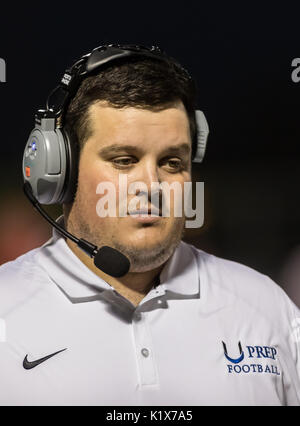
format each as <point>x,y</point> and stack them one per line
<point>290,275</point>
<point>21,227</point>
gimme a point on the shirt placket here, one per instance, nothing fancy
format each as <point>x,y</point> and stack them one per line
<point>147,370</point>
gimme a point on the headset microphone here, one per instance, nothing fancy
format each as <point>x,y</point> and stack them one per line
<point>107,259</point>
<point>50,160</point>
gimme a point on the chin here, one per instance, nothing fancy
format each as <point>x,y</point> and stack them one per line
<point>144,244</point>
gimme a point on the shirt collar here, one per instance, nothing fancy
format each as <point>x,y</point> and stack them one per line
<point>180,275</point>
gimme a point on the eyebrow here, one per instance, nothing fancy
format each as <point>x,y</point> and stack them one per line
<point>183,148</point>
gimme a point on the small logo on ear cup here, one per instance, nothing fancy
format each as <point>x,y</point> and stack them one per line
<point>234,360</point>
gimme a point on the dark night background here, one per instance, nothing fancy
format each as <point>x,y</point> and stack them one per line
<point>241,59</point>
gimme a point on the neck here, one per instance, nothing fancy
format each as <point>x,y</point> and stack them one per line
<point>133,286</point>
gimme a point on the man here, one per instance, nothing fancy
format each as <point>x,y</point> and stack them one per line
<point>181,327</point>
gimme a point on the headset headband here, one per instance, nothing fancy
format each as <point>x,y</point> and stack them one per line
<point>89,64</point>
<point>50,157</point>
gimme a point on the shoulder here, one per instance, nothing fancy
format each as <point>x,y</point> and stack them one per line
<point>19,280</point>
<point>234,276</point>
<point>239,283</point>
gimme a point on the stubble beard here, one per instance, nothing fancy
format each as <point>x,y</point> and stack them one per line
<point>141,260</point>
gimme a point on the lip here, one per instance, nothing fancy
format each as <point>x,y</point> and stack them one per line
<point>145,216</point>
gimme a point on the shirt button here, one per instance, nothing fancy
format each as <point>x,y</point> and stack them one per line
<point>137,316</point>
<point>145,352</point>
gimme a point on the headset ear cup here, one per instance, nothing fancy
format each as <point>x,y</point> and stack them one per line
<point>72,160</point>
<point>44,162</point>
<point>202,135</point>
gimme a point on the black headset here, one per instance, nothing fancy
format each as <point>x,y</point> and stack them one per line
<point>50,158</point>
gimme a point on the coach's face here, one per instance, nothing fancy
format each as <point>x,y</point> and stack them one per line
<point>147,147</point>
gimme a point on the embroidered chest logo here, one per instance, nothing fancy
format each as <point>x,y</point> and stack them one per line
<point>256,359</point>
<point>28,365</point>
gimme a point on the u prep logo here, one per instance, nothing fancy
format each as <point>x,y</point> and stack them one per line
<point>257,359</point>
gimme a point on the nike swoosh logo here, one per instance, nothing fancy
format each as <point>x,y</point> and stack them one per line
<point>28,365</point>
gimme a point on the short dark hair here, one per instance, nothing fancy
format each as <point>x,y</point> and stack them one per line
<point>139,82</point>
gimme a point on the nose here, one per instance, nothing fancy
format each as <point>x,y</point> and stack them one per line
<point>149,175</point>
<point>148,172</point>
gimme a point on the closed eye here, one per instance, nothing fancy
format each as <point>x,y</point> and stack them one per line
<point>173,164</point>
<point>123,161</point>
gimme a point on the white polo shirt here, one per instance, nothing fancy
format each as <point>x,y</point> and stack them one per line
<point>213,332</point>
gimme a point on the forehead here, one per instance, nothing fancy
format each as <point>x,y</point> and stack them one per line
<point>139,126</point>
